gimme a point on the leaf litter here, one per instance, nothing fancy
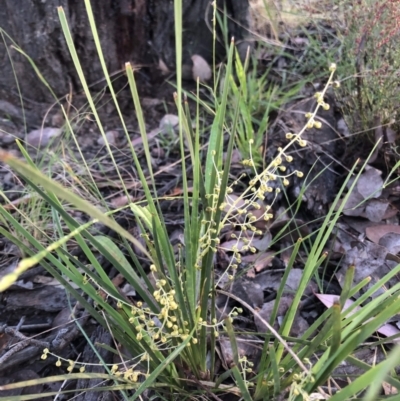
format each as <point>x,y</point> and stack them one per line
<point>368,242</point>
<point>261,273</point>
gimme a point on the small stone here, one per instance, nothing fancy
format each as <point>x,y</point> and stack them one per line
<point>201,69</point>
<point>40,138</point>
<point>6,138</point>
<point>57,120</point>
<point>112,138</point>
<point>9,132</point>
<point>163,67</point>
<point>169,122</point>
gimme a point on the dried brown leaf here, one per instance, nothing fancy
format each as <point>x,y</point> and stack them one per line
<point>260,261</point>
<point>121,201</point>
<point>375,210</point>
<point>387,330</point>
<point>370,183</point>
<point>375,233</point>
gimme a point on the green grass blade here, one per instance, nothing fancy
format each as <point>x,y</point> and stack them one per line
<point>275,371</point>
<point>159,369</point>
<point>74,55</point>
<point>385,311</point>
<point>315,253</point>
<point>348,282</point>
<point>336,328</point>
<point>373,379</point>
<point>102,246</point>
<point>235,369</point>
<point>214,153</point>
<point>54,187</point>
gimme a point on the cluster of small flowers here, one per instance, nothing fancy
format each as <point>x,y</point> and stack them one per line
<point>127,373</point>
<point>71,364</point>
<point>240,212</point>
<point>161,328</point>
<point>152,325</point>
<point>271,383</point>
<point>300,380</point>
<point>246,368</point>
<point>130,373</point>
<point>215,325</point>
<point>209,239</point>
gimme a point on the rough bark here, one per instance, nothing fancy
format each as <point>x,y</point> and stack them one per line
<point>140,31</point>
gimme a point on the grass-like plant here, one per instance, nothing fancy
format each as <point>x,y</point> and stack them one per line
<point>257,99</point>
<point>172,329</point>
<point>370,63</point>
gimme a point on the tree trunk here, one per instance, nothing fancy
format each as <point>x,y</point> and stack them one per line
<point>140,31</point>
